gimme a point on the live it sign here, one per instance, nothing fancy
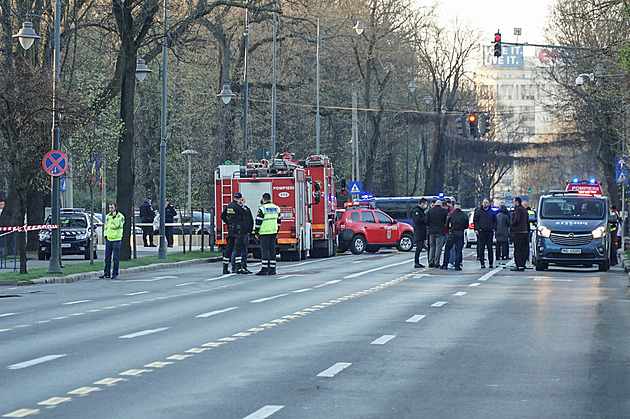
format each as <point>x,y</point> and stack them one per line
<point>511,56</point>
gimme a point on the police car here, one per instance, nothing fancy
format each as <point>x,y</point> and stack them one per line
<point>362,227</point>
<point>75,234</point>
<point>573,227</point>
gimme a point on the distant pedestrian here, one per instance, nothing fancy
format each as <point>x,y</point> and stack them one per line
<point>147,215</point>
<point>503,234</point>
<point>248,228</point>
<point>519,228</point>
<point>233,215</point>
<point>436,223</point>
<point>457,223</point>
<point>114,222</point>
<point>485,221</point>
<point>268,220</point>
<point>169,218</point>
<point>419,230</point>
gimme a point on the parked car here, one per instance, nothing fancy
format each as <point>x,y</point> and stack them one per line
<point>75,234</point>
<point>364,228</point>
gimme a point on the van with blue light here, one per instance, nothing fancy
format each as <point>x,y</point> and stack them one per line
<point>573,227</point>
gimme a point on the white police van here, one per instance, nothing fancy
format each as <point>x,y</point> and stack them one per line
<point>573,228</point>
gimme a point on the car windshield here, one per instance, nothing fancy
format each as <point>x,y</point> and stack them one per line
<point>76,221</point>
<point>570,207</point>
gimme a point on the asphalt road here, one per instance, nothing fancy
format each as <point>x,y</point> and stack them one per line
<point>361,336</point>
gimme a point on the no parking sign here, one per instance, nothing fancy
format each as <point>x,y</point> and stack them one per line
<point>55,163</point>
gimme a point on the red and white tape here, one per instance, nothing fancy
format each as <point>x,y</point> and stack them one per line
<point>26,227</point>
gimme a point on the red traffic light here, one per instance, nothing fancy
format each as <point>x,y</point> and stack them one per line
<point>497,37</point>
<point>472,118</point>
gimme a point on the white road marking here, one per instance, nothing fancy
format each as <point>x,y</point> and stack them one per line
<point>8,314</point>
<point>460,294</point>
<point>143,333</point>
<point>185,283</point>
<point>374,270</point>
<point>219,277</point>
<point>75,302</point>
<point>212,313</point>
<point>288,276</point>
<point>300,264</point>
<point>475,284</point>
<point>264,412</point>
<point>303,290</point>
<point>489,274</point>
<point>416,318</point>
<point>21,413</point>
<point>438,304</point>
<point>421,275</point>
<point>383,340</point>
<point>36,361</point>
<point>260,300</point>
<point>547,278</point>
<point>138,293</point>
<point>327,283</point>
<point>334,370</point>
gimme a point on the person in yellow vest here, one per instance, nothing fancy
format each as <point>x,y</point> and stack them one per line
<point>114,222</point>
<point>268,222</point>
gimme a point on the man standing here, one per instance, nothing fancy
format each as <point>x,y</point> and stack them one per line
<point>436,223</point>
<point>233,216</point>
<point>146,216</point>
<point>485,221</point>
<point>267,224</point>
<point>419,230</point>
<point>114,222</point>
<point>248,226</point>
<point>169,217</point>
<point>520,227</point>
<point>457,223</point>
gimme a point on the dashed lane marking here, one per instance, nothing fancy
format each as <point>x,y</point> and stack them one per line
<point>383,340</point>
<point>143,333</point>
<point>54,401</point>
<point>475,284</point>
<point>374,270</point>
<point>334,370</point>
<point>137,293</point>
<point>416,318</point>
<point>186,283</point>
<point>75,302</point>
<point>213,313</point>
<point>36,361</point>
<point>158,364</point>
<point>487,276</point>
<point>460,293</point>
<point>260,300</point>
<point>108,381</point>
<point>438,304</point>
<point>21,413</point>
<point>82,391</point>
<point>327,283</point>
<point>134,372</point>
<point>303,290</point>
<point>8,314</point>
<point>264,412</point>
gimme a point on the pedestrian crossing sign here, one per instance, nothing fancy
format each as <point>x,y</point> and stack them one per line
<point>622,176</point>
<point>355,188</point>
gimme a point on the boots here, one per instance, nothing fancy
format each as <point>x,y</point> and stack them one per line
<point>263,271</point>
<point>240,270</point>
<point>226,269</point>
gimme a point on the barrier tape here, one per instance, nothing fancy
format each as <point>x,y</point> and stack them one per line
<point>26,227</point>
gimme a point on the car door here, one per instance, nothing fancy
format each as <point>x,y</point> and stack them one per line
<point>372,229</point>
<point>388,230</point>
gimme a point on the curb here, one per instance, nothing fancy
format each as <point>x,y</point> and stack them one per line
<point>93,275</point>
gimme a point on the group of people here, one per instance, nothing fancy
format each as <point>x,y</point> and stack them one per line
<point>439,226</point>
<point>240,224</point>
<point>147,215</point>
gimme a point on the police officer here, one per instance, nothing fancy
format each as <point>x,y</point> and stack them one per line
<point>233,215</point>
<point>147,215</point>
<point>114,222</point>
<point>268,221</point>
<point>419,230</point>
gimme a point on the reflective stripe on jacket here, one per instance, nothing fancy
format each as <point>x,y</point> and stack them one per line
<point>114,227</point>
<point>268,219</point>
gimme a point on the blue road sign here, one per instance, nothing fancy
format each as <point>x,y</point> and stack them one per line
<point>354,188</point>
<point>64,186</point>
<point>55,163</point>
<point>622,176</point>
<point>621,163</point>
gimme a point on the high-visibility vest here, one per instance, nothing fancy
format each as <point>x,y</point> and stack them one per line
<point>613,227</point>
<point>531,223</point>
<point>114,227</point>
<point>271,213</point>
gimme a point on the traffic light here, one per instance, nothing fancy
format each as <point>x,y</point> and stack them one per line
<point>509,192</point>
<point>460,126</point>
<point>486,124</point>
<point>497,44</point>
<point>472,123</point>
<point>529,190</point>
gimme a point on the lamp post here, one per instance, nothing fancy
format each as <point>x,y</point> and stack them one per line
<point>27,36</point>
<point>359,28</point>
<point>411,88</point>
<point>189,154</point>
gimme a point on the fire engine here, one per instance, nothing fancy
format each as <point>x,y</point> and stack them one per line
<point>304,191</point>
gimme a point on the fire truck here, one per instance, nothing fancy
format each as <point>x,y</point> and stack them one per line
<point>304,191</point>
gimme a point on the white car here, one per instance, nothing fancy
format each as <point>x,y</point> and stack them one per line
<point>470,237</point>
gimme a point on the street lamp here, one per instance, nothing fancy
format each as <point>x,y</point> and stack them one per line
<point>189,154</point>
<point>359,28</point>
<point>27,36</point>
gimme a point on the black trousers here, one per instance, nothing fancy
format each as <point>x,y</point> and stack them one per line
<point>457,240</point>
<point>484,240</point>
<point>268,251</point>
<point>147,231</point>
<point>521,249</point>
<point>234,244</point>
<point>419,247</point>
<point>168,232</point>
<point>503,250</point>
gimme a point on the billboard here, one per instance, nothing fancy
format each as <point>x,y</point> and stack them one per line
<point>511,56</point>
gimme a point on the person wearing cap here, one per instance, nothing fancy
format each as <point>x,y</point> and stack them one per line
<point>233,215</point>
<point>146,216</point>
<point>268,222</point>
<point>169,218</point>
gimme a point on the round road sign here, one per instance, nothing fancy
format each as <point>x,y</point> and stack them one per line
<point>55,163</point>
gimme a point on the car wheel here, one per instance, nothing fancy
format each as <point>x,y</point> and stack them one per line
<point>41,256</point>
<point>540,266</point>
<point>358,245</point>
<point>604,266</point>
<point>405,244</point>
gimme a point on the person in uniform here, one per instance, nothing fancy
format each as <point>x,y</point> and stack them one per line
<point>147,215</point>
<point>268,222</point>
<point>114,222</point>
<point>233,215</point>
<point>419,230</point>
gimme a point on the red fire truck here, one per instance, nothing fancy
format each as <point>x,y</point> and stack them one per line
<point>304,191</point>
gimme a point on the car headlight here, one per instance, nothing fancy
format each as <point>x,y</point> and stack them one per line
<point>544,231</point>
<point>44,235</point>
<point>599,232</point>
<point>83,235</point>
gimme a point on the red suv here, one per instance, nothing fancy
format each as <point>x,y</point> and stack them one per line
<point>363,228</point>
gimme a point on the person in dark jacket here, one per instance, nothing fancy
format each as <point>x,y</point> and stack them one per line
<point>146,216</point>
<point>435,219</point>
<point>519,228</point>
<point>503,234</point>
<point>485,221</point>
<point>169,217</point>
<point>457,223</point>
<point>248,227</point>
<point>419,230</point>
<point>233,215</point>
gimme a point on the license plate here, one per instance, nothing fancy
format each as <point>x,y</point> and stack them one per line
<point>571,251</point>
<point>66,245</point>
